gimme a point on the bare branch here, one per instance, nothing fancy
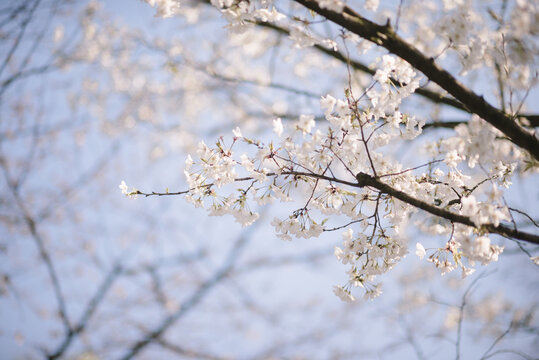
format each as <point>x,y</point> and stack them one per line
<point>40,243</point>
<point>189,353</point>
<point>461,312</point>
<point>194,299</point>
<point>88,313</point>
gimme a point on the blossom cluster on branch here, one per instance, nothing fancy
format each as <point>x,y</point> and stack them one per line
<point>342,168</point>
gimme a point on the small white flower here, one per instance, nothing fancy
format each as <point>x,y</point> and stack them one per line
<point>188,162</point>
<point>371,5</point>
<point>342,108</point>
<point>535,260</point>
<point>278,127</point>
<point>165,8</point>
<point>302,38</point>
<point>395,119</point>
<point>467,271</point>
<point>339,254</point>
<point>373,293</point>
<point>269,16</point>
<point>438,173</point>
<point>420,250</point>
<point>348,235</point>
<point>333,5</point>
<point>237,132</point>
<point>59,33</point>
<point>123,187</point>
<point>343,294</point>
<point>469,205</point>
<point>132,194</point>
<point>327,103</point>
<point>305,123</point>
<point>247,163</point>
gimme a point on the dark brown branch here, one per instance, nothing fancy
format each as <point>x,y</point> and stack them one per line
<point>386,37</point>
<point>533,119</point>
<point>444,124</point>
<point>367,180</point>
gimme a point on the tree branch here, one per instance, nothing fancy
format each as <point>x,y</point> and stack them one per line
<point>88,313</point>
<point>430,95</point>
<point>367,180</point>
<point>433,96</point>
<point>193,300</point>
<point>40,243</point>
<point>386,37</point>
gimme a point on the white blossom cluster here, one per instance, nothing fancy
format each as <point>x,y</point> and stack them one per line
<point>439,26</point>
<point>318,161</point>
<point>322,165</point>
<point>468,32</point>
<point>165,8</point>
<point>244,13</point>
